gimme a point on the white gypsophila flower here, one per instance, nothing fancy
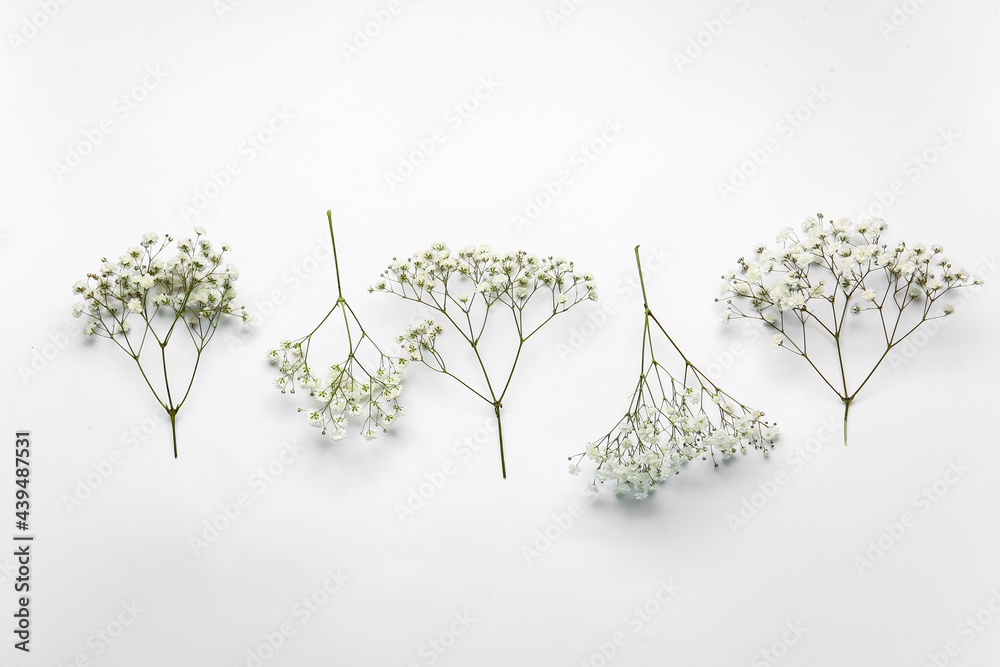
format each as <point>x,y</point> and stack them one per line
<point>145,270</point>
<point>669,423</point>
<point>846,266</point>
<point>365,386</point>
<point>465,285</point>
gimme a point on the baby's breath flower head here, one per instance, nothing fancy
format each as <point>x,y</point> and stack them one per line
<point>670,420</point>
<point>464,286</point>
<point>140,302</point>
<point>350,388</point>
<point>808,282</point>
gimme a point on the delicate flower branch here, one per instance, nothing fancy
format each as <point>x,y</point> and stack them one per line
<point>192,288</point>
<point>466,288</point>
<point>671,420</point>
<point>808,285</point>
<point>350,388</point>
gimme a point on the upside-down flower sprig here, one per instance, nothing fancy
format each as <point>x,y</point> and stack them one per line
<point>348,388</point>
<point>466,287</point>
<point>193,288</point>
<point>809,285</point>
<point>670,420</point>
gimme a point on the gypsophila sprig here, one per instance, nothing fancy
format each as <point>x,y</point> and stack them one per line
<point>466,288</point>
<point>347,388</point>
<point>670,420</point>
<point>809,283</point>
<point>142,298</point>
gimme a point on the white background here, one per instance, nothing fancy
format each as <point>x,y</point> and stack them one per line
<point>881,94</point>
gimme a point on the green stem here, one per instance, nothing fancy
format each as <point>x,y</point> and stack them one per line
<point>510,376</point>
<point>173,428</point>
<point>651,316</point>
<point>847,407</point>
<point>194,372</point>
<point>642,284</point>
<point>503,465</point>
<point>336,265</point>
<point>166,378</point>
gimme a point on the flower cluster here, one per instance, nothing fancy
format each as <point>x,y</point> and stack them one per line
<point>419,338</point>
<point>512,278</point>
<point>846,255</point>
<point>671,420</point>
<point>348,388</point>
<point>194,287</point>
<point>464,286</point>
<point>810,282</point>
<point>661,432</point>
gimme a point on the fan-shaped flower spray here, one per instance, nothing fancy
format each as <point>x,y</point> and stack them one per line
<point>670,420</point>
<point>191,290</point>
<point>349,388</point>
<point>470,286</point>
<point>807,286</point>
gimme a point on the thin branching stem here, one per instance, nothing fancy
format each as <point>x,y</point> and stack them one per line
<point>477,281</point>
<point>857,266</point>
